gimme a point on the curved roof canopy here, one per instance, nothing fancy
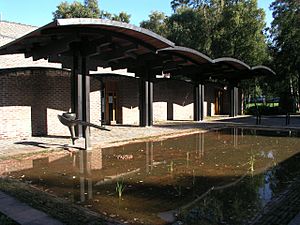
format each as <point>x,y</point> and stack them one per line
<point>106,42</point>
<point>120,45</point>
<point>203,67</point>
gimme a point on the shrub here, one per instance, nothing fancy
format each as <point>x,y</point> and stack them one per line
<point>264,110</point>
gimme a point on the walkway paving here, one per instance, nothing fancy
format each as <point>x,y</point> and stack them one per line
<point>283,209</point>
<point>118,134</point>
<point>24,214</point>
<point>296,220</point>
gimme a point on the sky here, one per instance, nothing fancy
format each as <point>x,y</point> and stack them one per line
<point>39,12</point>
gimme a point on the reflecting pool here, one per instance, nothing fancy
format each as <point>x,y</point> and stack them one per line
<point>223,176</point>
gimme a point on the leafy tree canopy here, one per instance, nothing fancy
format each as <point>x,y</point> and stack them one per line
<point>285,34</point>
<point>156,23</point>
<point>215,27</point>
<point>89,9</point>
<point>122,16</point>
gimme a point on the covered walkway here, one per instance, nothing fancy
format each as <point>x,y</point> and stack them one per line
<point>82,45</point>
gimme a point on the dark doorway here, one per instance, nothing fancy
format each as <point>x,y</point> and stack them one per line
<point>219,95</point>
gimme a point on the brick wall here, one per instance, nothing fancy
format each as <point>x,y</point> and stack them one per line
<point>30,100</point>
<point>15,100</point>
<point>209,98</point>
<point>170,97</point>
<point>127,98</point>
<point>173,100</point>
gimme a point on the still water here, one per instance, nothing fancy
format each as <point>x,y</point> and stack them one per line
<point>223,176</point>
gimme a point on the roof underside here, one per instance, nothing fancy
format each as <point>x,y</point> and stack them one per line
<point>120,45</point>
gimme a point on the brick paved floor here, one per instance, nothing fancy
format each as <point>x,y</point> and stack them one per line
<point>126,133</point>
<point>283,209</point>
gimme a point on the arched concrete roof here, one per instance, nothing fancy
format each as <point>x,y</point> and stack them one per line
<point>188,53</point>
<point>108,43</point>
<point>263,69</point>
<point>120,45</point>
<point>235,63</point>
<point>203,67</point>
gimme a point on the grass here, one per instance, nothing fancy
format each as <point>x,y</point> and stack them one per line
<point>120,187</point>
<point>275,104</point>
<point>251,163</point>
<point>171,166</point>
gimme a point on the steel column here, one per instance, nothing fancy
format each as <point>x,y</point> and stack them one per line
<point>86,87</point>
<point>74,84</point>
<point>198,102</point>
<point>234,101</point>
<point>146,101</point>
<point>76,90</point>
<point>80,94</point>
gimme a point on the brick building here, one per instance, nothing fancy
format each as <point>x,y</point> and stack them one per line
<point>32,93</point>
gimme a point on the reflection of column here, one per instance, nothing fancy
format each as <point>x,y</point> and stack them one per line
<point>219,134</point>
<point>85,172</point>
<point>235,137</point>
<point>149,156</point>
<point>96,159</point>
<point>200,144</point>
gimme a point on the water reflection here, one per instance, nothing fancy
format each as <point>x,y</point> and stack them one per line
<point>206,173</point>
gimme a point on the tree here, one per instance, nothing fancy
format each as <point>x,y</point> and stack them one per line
<point>92,9</point>
<point>175,4</point>
<point>122,16</point>
<point>191,28</point>
<point>156,23</point>
<point>285,33</point>
<point>89,9</point>
<point>217,28</point>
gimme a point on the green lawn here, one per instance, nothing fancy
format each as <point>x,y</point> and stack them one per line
<point>275,104</point>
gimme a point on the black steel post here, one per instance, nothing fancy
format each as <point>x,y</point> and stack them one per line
<point>170,111</point>
<point>236,92</point>
<point>143,102</point>
<point>198,102</point>
<point>76,89</point>
<point>146,100</point>
<point>234,101</point>
<point>79,99</point>
<point>74,83</point>
<point>150,103</point>
<point>85,100</point>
